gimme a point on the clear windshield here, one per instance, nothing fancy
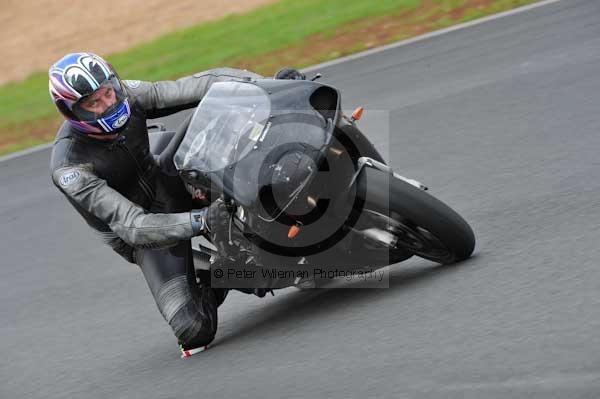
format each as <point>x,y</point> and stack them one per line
<point>226,126</point>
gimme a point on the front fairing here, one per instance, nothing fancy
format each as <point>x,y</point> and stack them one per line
<point>248,137</point>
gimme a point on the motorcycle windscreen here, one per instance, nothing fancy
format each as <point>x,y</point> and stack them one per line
<point>226,126</point>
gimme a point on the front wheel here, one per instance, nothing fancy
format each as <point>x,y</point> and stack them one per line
<point>410,218</point>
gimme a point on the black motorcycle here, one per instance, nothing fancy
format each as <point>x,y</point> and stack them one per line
<point>305,189</point>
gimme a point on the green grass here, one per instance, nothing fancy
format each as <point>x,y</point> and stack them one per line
<point>27,116</point>
<point>272,27</point>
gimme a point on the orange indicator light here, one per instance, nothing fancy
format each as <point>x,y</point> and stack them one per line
<point>357,114</point>
<point>293,231</point>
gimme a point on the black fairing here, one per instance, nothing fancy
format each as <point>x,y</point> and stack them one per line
<point>281,150</point>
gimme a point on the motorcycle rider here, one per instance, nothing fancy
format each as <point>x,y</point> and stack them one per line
<point>102,163</point>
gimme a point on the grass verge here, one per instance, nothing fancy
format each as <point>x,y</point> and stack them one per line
<point>282,34</point>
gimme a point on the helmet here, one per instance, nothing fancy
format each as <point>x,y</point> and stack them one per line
<point>75,77</point>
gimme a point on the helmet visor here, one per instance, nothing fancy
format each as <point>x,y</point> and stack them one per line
<point>100,103</point>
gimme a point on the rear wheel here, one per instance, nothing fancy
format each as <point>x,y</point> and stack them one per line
<point>406,217</point>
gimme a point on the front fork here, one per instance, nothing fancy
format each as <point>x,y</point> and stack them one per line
<point>371,163</point>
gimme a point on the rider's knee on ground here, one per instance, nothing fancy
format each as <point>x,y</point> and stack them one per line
<point>195,323</point>
<point>192,328</point>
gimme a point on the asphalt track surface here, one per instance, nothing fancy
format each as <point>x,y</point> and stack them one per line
<point>500,120</point>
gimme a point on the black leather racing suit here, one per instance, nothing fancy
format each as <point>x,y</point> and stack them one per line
<point>142,213</point>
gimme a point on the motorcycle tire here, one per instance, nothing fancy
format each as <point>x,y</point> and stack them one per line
<point>423,224</point>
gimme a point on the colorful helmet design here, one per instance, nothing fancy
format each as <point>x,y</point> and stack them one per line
<point>75,77</point>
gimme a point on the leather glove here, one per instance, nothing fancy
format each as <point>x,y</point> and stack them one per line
<point>290,74</point>
<point>206,219</point>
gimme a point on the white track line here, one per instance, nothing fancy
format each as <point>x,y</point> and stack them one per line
<point>359,55</point>
<point>25,152</point>
<point>430,35</point>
